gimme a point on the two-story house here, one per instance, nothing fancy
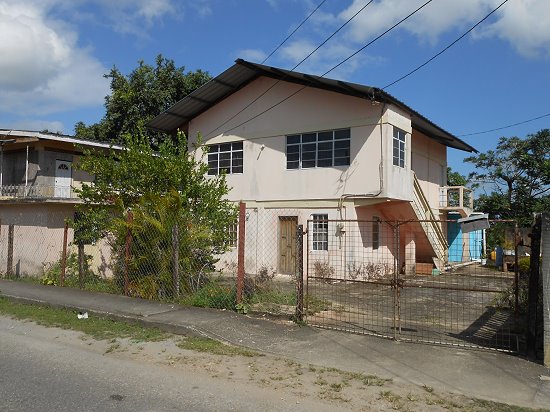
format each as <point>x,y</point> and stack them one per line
<point>305,148</point>
<point>37,196</point>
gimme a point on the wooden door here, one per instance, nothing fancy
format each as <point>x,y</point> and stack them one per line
<point>287,244</point>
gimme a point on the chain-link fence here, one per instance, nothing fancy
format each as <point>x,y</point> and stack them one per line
<point>158,257</point>
<point>427,281</point>
<point>411,280</point>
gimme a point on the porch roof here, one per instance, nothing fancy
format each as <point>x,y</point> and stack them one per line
<point>22,136</point>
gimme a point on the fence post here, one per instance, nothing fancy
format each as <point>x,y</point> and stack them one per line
<point>81,264</point>
<point>64,255</point>
<point>240,254</point>
<point>300,273</point>
<point>9,268</point>
<point>127,253</point>
<point>545,242</point>
<point>516,268</point>
<point>534,271</point>
<point>175,260</point>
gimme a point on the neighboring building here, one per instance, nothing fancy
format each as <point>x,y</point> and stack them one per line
<point>298,147</point>
<point>37,182</point>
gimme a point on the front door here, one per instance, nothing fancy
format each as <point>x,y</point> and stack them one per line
<point>63,174</point>
<point>287,244</point>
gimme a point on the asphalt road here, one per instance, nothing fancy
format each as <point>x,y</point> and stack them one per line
<point>43,370</point>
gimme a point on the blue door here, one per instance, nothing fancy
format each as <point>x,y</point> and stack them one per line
<point>454,233</point>
<point>476,244</point>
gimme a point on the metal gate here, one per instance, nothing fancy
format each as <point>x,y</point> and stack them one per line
<point>397,280</point>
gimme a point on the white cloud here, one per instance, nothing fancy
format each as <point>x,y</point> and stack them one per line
<point>254,55</point>
<point>326,58</point>
<point>525,24</point>
<point>428,23</point>
<point>43,70</point>
<point>137,16</point>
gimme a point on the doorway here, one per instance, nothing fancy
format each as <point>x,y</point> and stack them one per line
<point>287,244</point>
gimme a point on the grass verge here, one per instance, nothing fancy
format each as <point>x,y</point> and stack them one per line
<point>96,327</point>
<point>213,346</point>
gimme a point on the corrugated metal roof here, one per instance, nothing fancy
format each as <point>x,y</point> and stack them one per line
<point>9,133</point>
<point>243,72</point>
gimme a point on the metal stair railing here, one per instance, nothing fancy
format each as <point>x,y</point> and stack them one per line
<point>429,224</point>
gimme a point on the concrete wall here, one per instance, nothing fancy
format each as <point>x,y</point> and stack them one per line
<point>38,238</point>
<point>350,246</point>
<point>429,162</point>
<point>265,176</point>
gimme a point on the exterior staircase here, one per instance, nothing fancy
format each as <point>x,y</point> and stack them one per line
<point>430,225</point>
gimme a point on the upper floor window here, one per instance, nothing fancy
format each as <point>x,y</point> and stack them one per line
<point>398,147</point>
<point>225,158</point>
<point>318,149</point>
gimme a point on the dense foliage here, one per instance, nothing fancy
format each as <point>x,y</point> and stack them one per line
<point>137,98</point>
<point>174,204</point>
<point>518,172</point>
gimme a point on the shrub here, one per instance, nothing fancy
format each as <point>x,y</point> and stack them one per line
<point>213,295</point>
<point>323,270</point>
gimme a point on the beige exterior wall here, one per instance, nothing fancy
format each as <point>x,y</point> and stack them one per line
<point>38,238</point>
<point>266,178</point>
<point>429,162</point>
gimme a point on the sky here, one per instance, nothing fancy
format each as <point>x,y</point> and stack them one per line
<point>55,53</point>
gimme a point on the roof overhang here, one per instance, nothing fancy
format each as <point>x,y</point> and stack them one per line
<point>243,72</point>
<point>26,136</point>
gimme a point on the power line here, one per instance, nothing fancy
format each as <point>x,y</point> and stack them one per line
<point>506,127</point>
<point>294,31</point>
<point>446,48</point>
<point>294,68</point>
<point>378,37</point>
<point>334,67</point>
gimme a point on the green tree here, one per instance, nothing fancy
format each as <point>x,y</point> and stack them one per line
<point>455,178</point>
<point>519,172</point>
<point>137,98</point>
<point>166,190</point>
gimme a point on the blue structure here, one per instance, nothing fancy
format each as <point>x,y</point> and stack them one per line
<point>454,235</point>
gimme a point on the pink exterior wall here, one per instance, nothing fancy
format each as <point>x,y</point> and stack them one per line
<point>38,239</point>
<point>429,162</point>
<point>265,176</point>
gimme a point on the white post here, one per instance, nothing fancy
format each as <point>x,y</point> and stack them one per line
<point>27,171</point>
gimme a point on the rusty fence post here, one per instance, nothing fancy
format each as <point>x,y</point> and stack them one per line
<point>127,253</point>
<point>64,255</point>
<point>300,273</point>
<point>240,253</point>
<point>9,268</point>
<point>175,260</point>
<point>81,264</point>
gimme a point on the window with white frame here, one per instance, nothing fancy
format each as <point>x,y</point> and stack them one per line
<point>375,232</point>
<point>399,137</point>
<point>320,232</point>
<point>232,235</point>
<point>225,158</point>
<point>318,149</point>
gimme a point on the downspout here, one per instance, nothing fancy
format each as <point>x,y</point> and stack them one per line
<point>380,170</point>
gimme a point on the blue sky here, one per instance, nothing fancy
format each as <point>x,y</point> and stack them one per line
<point>56,51</point>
